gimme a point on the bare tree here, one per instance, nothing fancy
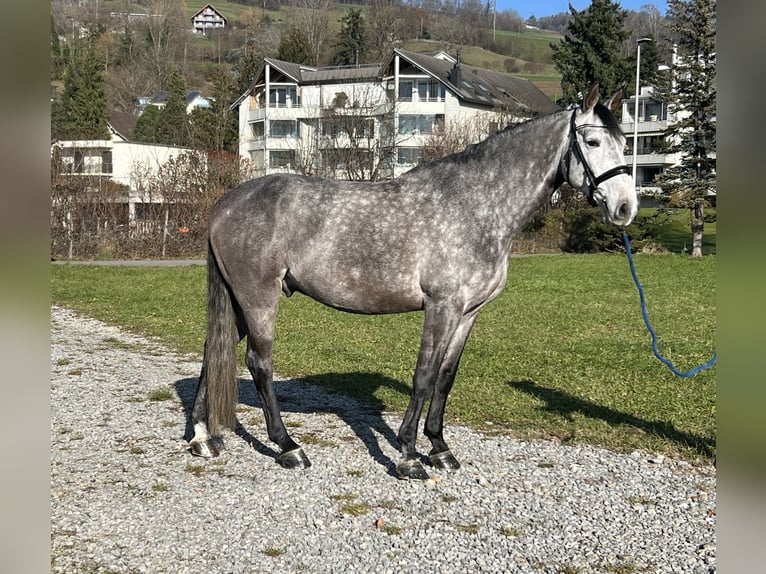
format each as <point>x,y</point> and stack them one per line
<point>353,136</point>
<point>311,18</point>
<point>387,21</point>
<point>461,132</point>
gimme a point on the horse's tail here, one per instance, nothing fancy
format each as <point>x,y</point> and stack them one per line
<point>220,350</point>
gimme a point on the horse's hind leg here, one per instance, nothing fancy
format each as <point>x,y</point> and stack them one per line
<point>258,358</point>
<point>202,444</point>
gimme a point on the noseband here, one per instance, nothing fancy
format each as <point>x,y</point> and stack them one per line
<point>590,178</point>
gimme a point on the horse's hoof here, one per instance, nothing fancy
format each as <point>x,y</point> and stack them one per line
<point>295,458</point>
<point>206,448</point>
<point>411,469</point>
<point>444,460</point>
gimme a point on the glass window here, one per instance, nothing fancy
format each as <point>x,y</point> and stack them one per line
<point>106,162</point>
<point>408,155</point>
<point>257,129</point>
<point>283,128</point>
<point>282,158</point>
<point>283,97</point>
<point>405,91</point>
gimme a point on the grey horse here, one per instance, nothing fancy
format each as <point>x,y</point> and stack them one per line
<point>436,239</point>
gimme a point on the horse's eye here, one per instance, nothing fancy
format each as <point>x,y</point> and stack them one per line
<point>592,143</point>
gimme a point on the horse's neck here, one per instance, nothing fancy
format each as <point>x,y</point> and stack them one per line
<point>522,166</point>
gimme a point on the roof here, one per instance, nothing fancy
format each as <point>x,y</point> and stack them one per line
<point>161,97</point>
<point>476,85</point>
<point>480,86</point>
<point>122,123</point>
<point>213,8</point>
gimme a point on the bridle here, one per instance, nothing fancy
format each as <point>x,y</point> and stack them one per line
<point>592,181</point>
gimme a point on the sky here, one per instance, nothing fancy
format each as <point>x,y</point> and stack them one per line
<point>538,8</point>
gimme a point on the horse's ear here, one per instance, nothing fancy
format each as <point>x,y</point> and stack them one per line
<point>591,99</point>
<point>614,102</point>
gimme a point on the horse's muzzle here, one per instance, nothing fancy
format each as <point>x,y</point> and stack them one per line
<point>618,210</point>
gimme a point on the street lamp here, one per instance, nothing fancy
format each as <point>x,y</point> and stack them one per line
<point>635,112</point>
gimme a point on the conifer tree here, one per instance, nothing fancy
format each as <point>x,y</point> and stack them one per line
<point>691,97</point>
<point>352,39</point>
<point>173,123</point>
<point>591,51</point>
<point>81,113</point>
<point>146,125</point>
<point>294,47</point>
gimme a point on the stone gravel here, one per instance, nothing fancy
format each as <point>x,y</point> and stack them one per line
<point>127,497</point>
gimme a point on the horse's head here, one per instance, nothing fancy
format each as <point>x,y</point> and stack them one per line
<point>595,162</point>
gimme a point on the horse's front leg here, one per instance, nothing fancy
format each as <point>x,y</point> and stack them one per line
<point>439,327</point>
<point>440,454</point>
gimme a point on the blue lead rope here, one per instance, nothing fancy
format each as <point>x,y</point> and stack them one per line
<point>657,354</point>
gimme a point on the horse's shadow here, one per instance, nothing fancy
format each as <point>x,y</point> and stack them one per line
<point>311,395</point>
<point>566,405</point>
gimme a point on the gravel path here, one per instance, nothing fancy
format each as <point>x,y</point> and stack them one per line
<point>127,497</point>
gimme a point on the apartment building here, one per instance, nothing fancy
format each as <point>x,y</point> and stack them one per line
<point>372,121</point>
<point>651,154</point>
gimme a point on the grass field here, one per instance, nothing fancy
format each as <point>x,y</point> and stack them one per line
<point>561,353</point>
<point>676,236</point>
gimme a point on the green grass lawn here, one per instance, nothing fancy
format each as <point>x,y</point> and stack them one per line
<point>562,352</point>
<point>676,236</point>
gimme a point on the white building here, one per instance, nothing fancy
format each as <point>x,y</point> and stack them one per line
<point>118,161</point>
<point>651,155</point>
<point>371,121</point>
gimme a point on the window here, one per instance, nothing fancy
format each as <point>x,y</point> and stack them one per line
<point>430,91</point>
<point>283,128</point>
<point>282,158</point>
<point>653,111</point>
<point>256,156</point>
<point>334,159</point>
<point>350,126</point>
<point>333,127</point>
<point>106,162</point>
<point>408,155</point>
<point>283,97</point>
<point>405,91</point>
<point>420,124</point>
<point>257,129</point>
<point>79,161</point>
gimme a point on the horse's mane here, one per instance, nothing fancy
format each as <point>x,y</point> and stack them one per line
<point>475,150</point>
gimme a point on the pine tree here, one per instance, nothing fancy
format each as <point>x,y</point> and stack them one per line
<point>294,47</point>
<point>691,95</point>
<point>590,51</point>
<point>81,114</point>
<point>352,39</point>
<point>173,123</point>
<point>146,125</point>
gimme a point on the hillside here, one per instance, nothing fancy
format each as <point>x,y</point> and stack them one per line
<point>531,47</point>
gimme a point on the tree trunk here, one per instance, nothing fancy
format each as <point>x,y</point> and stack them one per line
<point>697,225</point>
<point>165,230</point>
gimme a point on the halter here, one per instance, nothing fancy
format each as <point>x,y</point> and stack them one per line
<point>590,178</point>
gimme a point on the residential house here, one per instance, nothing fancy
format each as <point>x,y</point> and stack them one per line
<point>206,19</point>
<point>194,99</point>
<point>305,119</point>
<point>118,162</point>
